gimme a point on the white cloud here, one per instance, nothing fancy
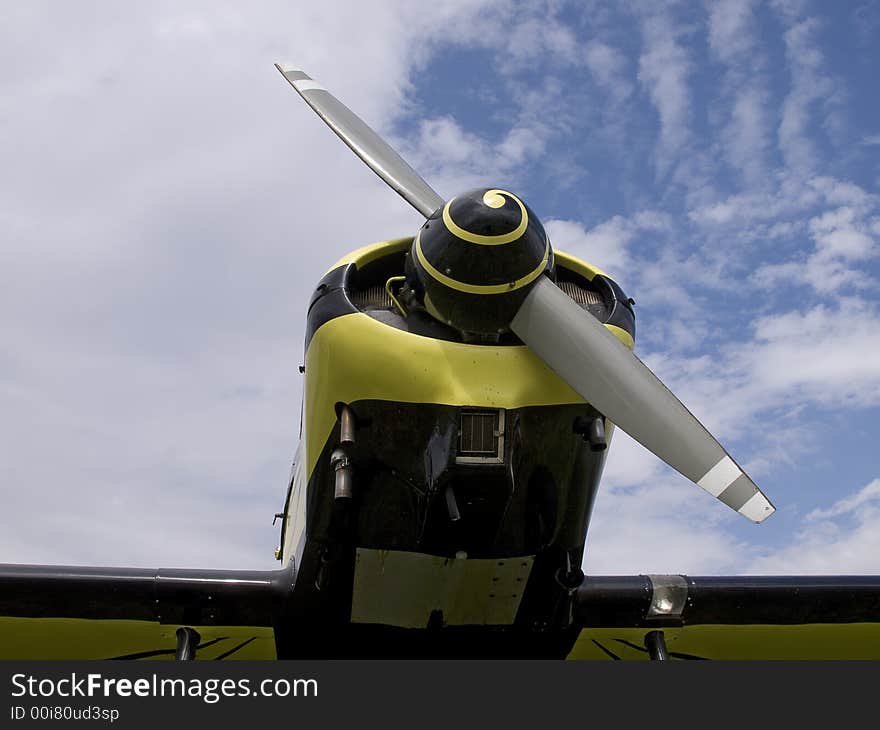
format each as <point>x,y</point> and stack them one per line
<point>743,96</point>
<point>664,70</point>
<point>648,519</point>
<point>731,34</point>
<point>838,233</point>
<point>847,533</point>
<point>848,505</point>
<point>532,35</point>
<point>606,244</point>
<point>842,192</point>
<point>824,275</point>
<point>746,137</point>
<point>793,361</point>
<point>842,237</point>
<point>639,533</point>
<point>792,358</point>
<point>608,66</point>
<point>535,37</point>
<point>809,86</point>
<point>454,159</point>
<point>783,209</point>
<point>673,528</point>
<point>173,203</point>
<point>797,355</point>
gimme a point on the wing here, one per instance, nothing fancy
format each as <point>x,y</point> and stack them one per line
<point>740,617</point>
<point>68,612</point>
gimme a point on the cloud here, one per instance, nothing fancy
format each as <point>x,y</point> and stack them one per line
<point>842,238</point>
<point>849,505</point>
<point>650,519</point>
<point>746,137</point>
<point>792,358</point>
<point>664,71</point>
<point>782,208</point>
<point>809,86</point>
<point>455,159</point>
<point>531,36</point>
<point>794,367</point>
<point>541,36</point>
<point>838,233</point>
<point>608,67</point>
<point>171,213</point>
<point>731,34</point>
<point>673,528</point>
<point>744,94</point>
<point>797,355</point>
<point>606,244</point>
<point>847,533</point>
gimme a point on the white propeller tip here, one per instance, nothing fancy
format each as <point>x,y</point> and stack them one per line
<point>757,509</point>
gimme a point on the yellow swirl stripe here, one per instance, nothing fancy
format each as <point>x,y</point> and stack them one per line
<point>480,288</point>
<point>490,198</point>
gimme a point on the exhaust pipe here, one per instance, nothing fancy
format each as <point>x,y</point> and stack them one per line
<point>341,464</point>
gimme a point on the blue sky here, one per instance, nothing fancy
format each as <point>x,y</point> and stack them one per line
<point>168,203</point>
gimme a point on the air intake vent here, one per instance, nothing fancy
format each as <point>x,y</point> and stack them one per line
<point>588,299</point>
<point>372,297</point>
<point>582,296</point>
<point>480,437</point>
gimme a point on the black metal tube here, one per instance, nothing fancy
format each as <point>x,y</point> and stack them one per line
<point>608,601</point>
<point>187,641</point>
<point>655,643</point>
<point>169,596</point>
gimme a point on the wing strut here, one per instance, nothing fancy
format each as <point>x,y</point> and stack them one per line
<point>655,643</point>
<point>187,641</point>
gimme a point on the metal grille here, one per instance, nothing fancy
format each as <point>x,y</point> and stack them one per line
<point>582,296</point>
<point>374,296</point>
<point>477,435</point>
<point>480,437</point>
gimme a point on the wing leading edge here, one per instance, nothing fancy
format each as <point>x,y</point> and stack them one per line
<point>60,612</point>
<point>729,617</point>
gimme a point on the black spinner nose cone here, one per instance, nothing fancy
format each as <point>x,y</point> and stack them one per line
<point>475,259</point>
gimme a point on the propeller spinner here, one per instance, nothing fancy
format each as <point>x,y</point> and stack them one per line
<point>475,259</point>
<point>479,264</point>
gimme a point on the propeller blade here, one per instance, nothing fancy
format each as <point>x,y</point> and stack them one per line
<point>365,143</point>
<point>594,362</point>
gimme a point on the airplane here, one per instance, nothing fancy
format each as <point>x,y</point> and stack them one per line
<point>461,390</point>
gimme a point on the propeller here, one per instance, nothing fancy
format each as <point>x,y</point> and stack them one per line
<point>481,262</point>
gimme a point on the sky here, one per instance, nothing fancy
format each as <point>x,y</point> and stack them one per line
<point>167,204</point>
